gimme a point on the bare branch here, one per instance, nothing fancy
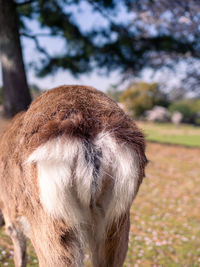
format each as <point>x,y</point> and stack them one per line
<point>34,38</point>
<point>100,10</point>
<point>25,3</point>
<point>43,35</point>
<point>115,26</point>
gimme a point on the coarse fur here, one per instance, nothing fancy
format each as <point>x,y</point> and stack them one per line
<point>70,168</point>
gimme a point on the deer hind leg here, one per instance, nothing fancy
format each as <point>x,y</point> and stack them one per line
<point>55,244</point>
<point>112,251</point>
<point>51,255</point>
<point>19,242</point>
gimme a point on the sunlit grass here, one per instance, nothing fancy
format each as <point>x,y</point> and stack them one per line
<point>187,135</point>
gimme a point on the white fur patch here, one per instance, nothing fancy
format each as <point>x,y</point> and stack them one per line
<point>55,161</point>
<point>124,170</point>
<point>65,177</point>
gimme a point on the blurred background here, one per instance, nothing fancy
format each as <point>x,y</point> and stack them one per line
<point>145,54</point>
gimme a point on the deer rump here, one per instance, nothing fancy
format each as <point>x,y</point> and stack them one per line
<point>73,173</point>
<point>84,159</point>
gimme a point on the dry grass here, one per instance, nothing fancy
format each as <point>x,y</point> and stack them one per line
<point>165,229</point>
<point>165,217</point>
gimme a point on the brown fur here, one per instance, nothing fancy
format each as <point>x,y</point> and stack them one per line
<point>67,110</point>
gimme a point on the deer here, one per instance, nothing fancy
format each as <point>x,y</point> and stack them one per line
<point>70,168</point>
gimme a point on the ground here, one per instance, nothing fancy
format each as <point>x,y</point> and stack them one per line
<point>165,216</point>
<point>165,229</point>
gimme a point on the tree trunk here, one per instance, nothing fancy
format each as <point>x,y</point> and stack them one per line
<point>16,95</point>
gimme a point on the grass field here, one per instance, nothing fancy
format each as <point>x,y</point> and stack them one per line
<point>165,217</point>
<point>186,135</point>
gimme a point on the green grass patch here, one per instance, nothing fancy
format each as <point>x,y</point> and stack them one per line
<point>186,135</point>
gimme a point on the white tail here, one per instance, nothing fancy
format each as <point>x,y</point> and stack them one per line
<point>70,169</point>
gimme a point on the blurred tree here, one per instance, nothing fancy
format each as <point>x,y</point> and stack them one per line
<point>174,28</point>
<point>141,96</point>
<point>190,109</point>
<point>16,95</point>
<point>54,17</point>
<point>152,34</point>
<point>114,93</point>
